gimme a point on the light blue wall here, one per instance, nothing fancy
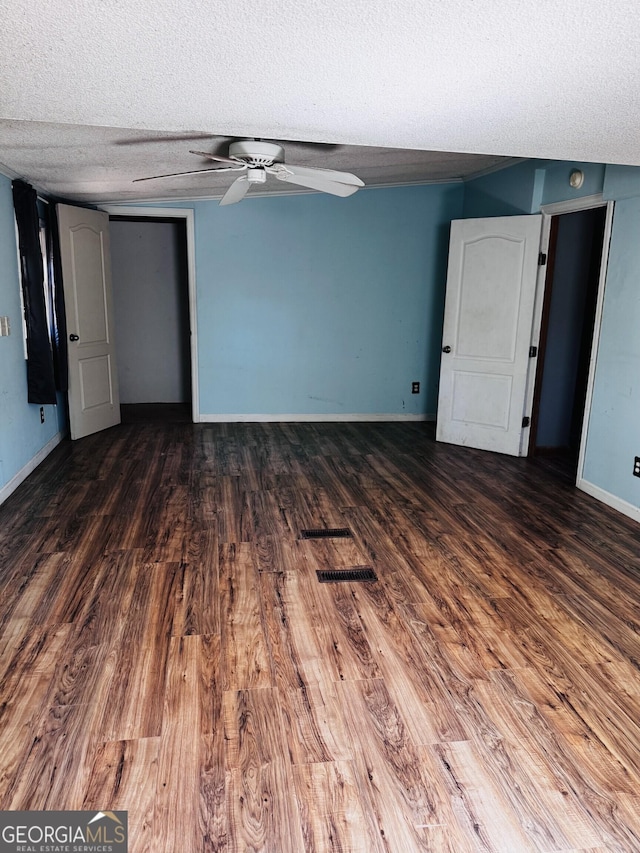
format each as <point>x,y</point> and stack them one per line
<point>22,435</point>
<point>508,192</point>
<point>556,181</point>
<point>311,304</point>
<point>621,182</point>
<point>614,430</point>
<point>524,187</point>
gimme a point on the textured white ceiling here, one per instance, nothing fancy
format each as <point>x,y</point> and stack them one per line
<point>550,80</point>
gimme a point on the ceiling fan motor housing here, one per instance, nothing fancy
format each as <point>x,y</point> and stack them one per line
<point>256,154</point>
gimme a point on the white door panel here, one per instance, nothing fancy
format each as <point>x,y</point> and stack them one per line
<point>86,271</point>
<point>491,282</point>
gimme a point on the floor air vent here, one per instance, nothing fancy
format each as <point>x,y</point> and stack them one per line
<point>364,573</point>
<point>327,533</point>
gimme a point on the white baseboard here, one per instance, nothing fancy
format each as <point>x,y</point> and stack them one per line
<point>337,418</point>
<point>611,500</point>
<point>31,465</point>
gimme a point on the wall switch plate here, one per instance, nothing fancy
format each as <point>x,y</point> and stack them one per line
<point>636,467</point>
<point>415,387</point>
<point>5,327</point>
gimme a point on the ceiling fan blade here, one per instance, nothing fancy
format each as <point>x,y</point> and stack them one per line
<point>237,191</point>
<point>215,157</point>
<point>316,182</point>
<point>191,172</point>
<point>329,174</point>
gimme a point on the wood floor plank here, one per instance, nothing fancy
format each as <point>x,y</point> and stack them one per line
<point>233,512</point>
<point>624,675</point>
<point>261,808</point>
<point>446,831</point>
<point>267,521</point>
<point>619,732</point>
<point>37,598</point>
<point>212,815</point>
<point>101,597</point>
<point>315,727</point>
<point>277,592</point>
<point>415,600</point>
<point>399,801</point>
<point>124,777</point>
<point>342,640</point>
<point>56,764</point>
<point>560,771</point>
<point>340,636</point>
<point>24,688</point>
<point>166,648</point>
<point>429,710</point>
<point>199,601</point>
<point>244,651</point>
<point>59,602</point>
<point>176,822</point>
<point>253,728</point>
<point>292,616</point>
<point>592,621</point>
<point>140,655</point>
<point>551,816</point>
<point>330,808</point>
<point>480,806</point>
<point>213,823</point>
<point>165,525</point>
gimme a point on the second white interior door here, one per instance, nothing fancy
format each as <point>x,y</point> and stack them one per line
<point>491,284</point>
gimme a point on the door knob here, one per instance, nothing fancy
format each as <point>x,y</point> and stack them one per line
<point>446,349</point>
<point>74,337</point>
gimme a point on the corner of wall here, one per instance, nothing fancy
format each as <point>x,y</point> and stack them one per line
<point>20,476</point>
<point>524,187</point>
<point>610,499</point>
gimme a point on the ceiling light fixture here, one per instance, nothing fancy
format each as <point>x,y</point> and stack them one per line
<point>576,179</point>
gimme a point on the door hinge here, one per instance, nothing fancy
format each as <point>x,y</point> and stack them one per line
<point>526,421</point>
<point>542,259</point>
<point>533,352</point>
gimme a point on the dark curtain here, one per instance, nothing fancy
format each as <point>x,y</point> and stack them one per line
<point>60,364</point>
<point>41,384</point>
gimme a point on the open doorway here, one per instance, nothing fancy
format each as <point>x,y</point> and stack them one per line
<point>152,323</point>
<point>575,256</point>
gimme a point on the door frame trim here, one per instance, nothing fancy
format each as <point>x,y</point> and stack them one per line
<point>550,252</point>
<point>188,215</point>
<point>548,212</point>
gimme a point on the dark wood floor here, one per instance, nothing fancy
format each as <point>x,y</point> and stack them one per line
<point>165,646</point>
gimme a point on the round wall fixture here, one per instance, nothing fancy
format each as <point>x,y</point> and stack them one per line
<point>576,179</point>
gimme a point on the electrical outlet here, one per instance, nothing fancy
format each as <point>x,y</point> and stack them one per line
<point>636,467</point>
<point>415,387</point>
<point>5,327</point>
<point>41,414</point>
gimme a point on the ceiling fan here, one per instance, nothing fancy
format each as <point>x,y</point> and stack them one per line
<point>259,159</point>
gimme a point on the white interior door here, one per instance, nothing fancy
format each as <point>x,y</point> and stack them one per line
<point>491,284</point>
<point>94,403</point>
